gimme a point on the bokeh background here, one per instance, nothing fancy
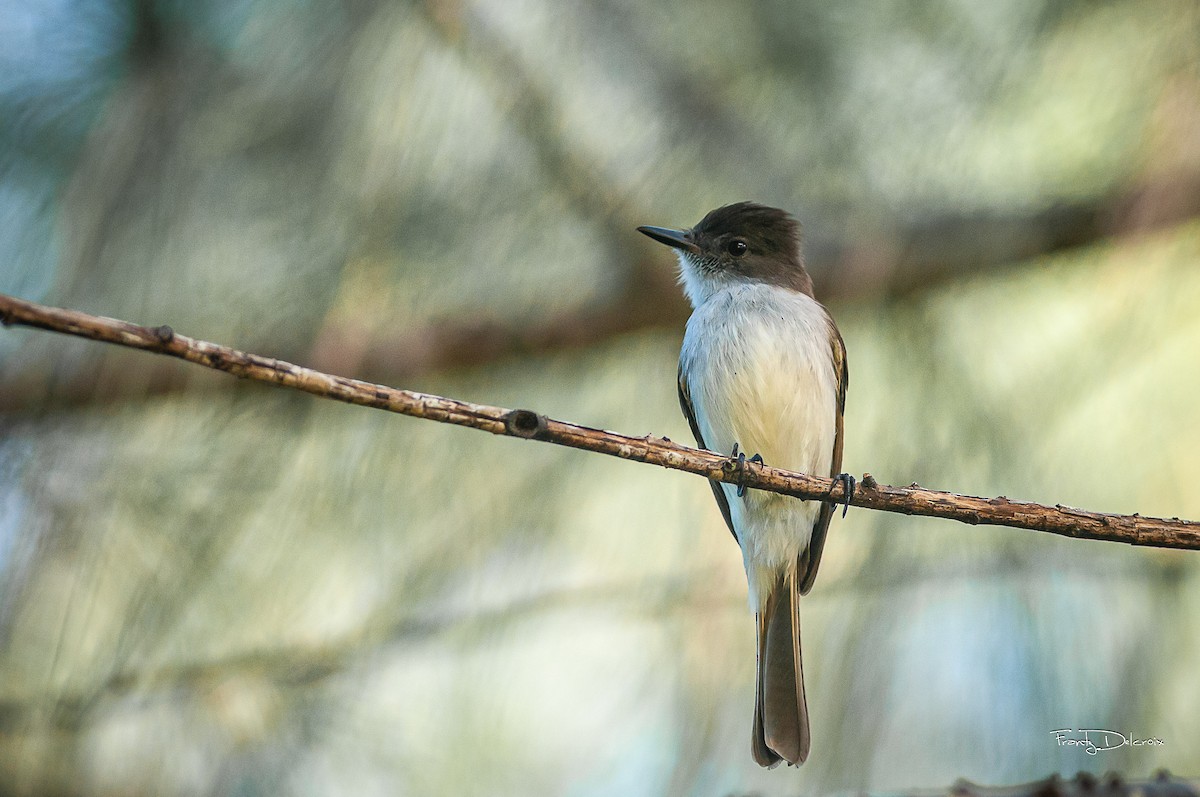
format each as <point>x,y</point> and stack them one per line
<point>209,587</point>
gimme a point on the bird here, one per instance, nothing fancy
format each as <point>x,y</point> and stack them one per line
<point>763,368</point>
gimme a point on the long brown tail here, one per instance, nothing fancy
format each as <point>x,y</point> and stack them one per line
<point>780,713</point>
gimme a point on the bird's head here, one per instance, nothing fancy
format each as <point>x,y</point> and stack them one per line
<point>740,242</point>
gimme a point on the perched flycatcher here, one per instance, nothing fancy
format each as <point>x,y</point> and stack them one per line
<point>763,369</point>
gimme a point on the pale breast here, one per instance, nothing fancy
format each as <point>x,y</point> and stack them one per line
<point>759,368</point>
<point>760,371</point>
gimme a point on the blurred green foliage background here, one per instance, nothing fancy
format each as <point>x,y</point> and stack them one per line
<point>208,587</point>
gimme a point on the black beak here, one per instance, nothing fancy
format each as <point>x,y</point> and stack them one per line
<point>677,239</point>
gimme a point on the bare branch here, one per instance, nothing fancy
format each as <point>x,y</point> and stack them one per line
<point>912,500</point>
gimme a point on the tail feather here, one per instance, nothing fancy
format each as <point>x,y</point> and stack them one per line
<point>763,755</point>
<point>780,712</point>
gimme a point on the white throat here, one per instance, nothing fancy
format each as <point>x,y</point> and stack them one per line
<point>699,284</point>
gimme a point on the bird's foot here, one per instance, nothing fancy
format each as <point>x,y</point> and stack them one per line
<point>847,482</point>
<point>741,458</point>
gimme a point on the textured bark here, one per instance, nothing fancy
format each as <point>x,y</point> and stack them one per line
<point>911,500</point>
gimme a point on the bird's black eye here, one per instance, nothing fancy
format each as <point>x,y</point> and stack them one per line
<point>737,247</point>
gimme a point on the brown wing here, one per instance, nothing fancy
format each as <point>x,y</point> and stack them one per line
<point>810,560</point>
<point>685,402</point>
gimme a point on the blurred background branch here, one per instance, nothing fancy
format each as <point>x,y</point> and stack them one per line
<point>1111,785</point>
<point>910,260</point>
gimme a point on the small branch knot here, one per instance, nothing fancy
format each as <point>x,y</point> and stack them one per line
<point>525,423</point>
<point>164,334</point>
